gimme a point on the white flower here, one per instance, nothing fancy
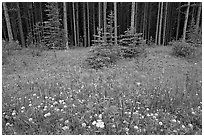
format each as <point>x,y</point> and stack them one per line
<point>30,119</point>
<point>23,107</point>
<point>65,127</point>
<point>47,114</point>
<point>100,116</point>
<point>13,113</point>
<point>65,106</point>
<point>66,122</point>
<point>100,124</point>
<point>173,120</point>
<point>136,127</point>
<point>30,105</point>
<point>190,125</point>
<point>83,124</point>
<point>113,126</point>
<point>183,126</point>
<point>126,129</point>
<point>34,94</point>
<point>160,123</point>
<point>94,123</point>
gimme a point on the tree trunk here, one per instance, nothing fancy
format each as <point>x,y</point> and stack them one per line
<point>94,24</point>
<point>144,21</point>
<point>136,17</point>
<point>74,21</point>
<point>186,22</point>
<point>84,24</point>
<point>77,23</point>
<point>89,43</point>
<point>178,23</point>
<point>104,19</point>
<point>115,22</point>
<point>8,24</point>
<point>165,18</point>
<point>198,16</point>
<point>65,25</point>
<point>160,24</point>
<point>20,26</point>
<point>99,15</point>
<point>157,27</point>
<point>133,18</point>
<point>149,21</point>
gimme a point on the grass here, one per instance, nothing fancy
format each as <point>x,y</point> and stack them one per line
<point>159,94</point>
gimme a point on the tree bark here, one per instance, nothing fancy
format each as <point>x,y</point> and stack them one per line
<point>186,22</point>
<point>77,23</point>
<point>65,25</point>
<point>74,21</point>
<point>136,17</point>
<point>84,24</point>
<point>8,24</point>
<point>160,24</point>
<point>20,26</point>
<point>198,16</point>
<point>132,18</point>
<point>157,27</point>
<point>165,18</point>
<point>115,22</point>
<point>104,18</point>
<point>178,23</point>
<point>89,42</point>
<point>99,15</point>
<point>94,23</point>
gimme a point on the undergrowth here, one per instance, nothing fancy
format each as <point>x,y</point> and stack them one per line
<point>106,102</point>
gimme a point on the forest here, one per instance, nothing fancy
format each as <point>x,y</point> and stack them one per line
<point>102,68</point>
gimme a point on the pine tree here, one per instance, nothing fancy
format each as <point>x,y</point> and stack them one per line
<point>53,34</point>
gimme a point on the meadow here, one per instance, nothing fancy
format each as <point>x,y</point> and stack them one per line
<point>56,95</point>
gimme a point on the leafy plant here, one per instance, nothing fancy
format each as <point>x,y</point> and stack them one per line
<point>183,49</point>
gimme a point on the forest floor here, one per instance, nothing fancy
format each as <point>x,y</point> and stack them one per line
<point>159,94</point>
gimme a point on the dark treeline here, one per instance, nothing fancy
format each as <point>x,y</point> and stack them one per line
<point>159,22</point>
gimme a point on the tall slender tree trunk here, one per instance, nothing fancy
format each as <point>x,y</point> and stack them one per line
<point>115,22</point>
<point>104,19</point>
<point>160,24</point>
<point>99,15</point>
<point>157,27</point>
<point>8,24</point>
<point>165,18</point>
<point>84,24</point>
<point>149,21</point>
<point>178,23</point>
<point>77,22</point>
<point>132,18</point>
<point>89,42</point>
<point>136,17</point>
<point>186,22</point>
<point>65,25</point>
<point>20,26</point>
<point>74,21</point>
<point>94,23</point>
<point>144,21</point>
<point>198,16</point>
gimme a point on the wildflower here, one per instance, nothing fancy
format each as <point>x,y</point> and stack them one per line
<point>100,124</point>
<point>7,124</point>
<point>173,120</point>
<point>38,97</point>
<point>113,126</point>
<point>34,94</point>
<point>83,124</point>
<point>47,114</point>
<point>147,109</point>
<point>66,122</point>
<point>94,123</point>
<point>138,83</point>
<point>22,107</point>
<point>183,126</point>
<point>136,127</point>
<point>30,119</point>
<point>30,105</point>
<point>190,125</point>
<point>51,106</point>
<point>46,97</point>
<point>100,116</point>
<point>55,103</point>
<point>160,123</point>
<point>65,127</point>
<point>126,129</point>
<point>13,113</point>
<point>148,114</point>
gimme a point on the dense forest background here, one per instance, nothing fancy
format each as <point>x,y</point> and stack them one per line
<point>159,22</point>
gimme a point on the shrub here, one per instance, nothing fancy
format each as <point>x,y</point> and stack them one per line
<point>183,49</point>
<point>101,56</point>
